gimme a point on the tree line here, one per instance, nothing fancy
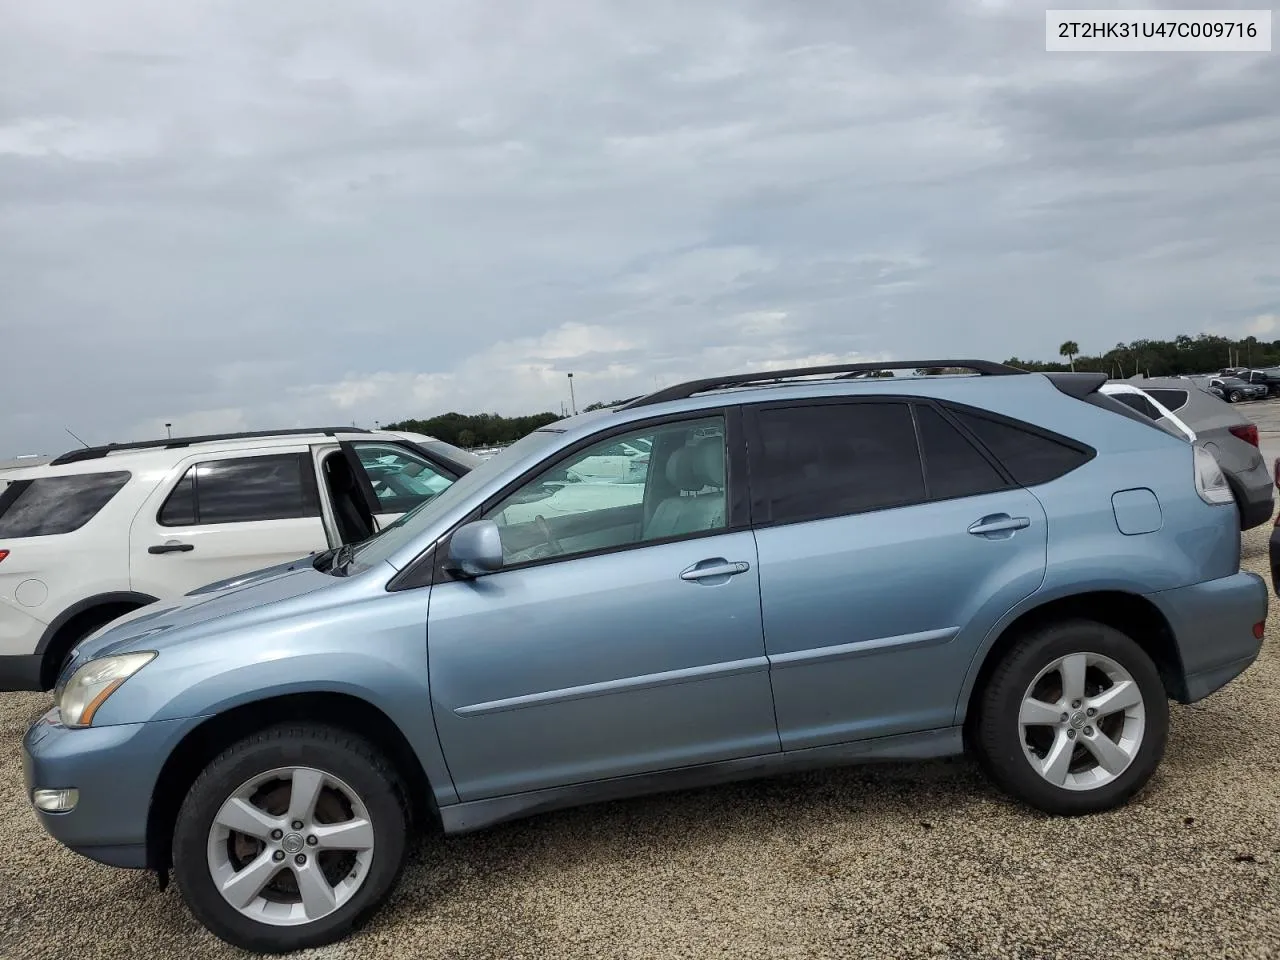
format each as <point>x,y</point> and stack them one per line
<point>1156,358</point>
<point>1162,358</point>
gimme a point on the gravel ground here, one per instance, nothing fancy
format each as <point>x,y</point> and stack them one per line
<point>923,860</point>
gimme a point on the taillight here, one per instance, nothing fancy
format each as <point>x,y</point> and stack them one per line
<point>1248,432</point>
<point>3,554</point>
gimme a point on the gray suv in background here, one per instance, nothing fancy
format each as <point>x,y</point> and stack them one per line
<point>1224,432</point>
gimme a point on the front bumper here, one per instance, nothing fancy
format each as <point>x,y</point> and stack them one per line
<point>114,769</point>
<point>1213,627</point>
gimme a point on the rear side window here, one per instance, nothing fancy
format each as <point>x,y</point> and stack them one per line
<point>1168,398</point>
<point>244,490</point>
<point>1029,457</point>
<point>48,506</point>
<point>1135,401</point>
<point>953,466</point>
<point>829,460</point>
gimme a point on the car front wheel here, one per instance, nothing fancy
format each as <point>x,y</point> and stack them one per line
<point>1233,396</point>
<point>289,838</point>
<point>1074,720</point>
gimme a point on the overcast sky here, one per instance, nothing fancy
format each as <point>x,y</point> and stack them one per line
<point>239,214</point>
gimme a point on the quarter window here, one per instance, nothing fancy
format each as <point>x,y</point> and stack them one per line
<point>1168,398</point>
<point>829,460</point>
<point>48,506</point>
<point>244,490</point>
<point>675,489</point>
<point>1135,401</point>
<point>953,465</point>
<point>1029,457</point>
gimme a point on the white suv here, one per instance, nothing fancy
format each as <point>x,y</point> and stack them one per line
<point>101,531</point>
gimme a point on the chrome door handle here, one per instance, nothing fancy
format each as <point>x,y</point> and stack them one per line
<point>696,572</point>
<point>999,524</point>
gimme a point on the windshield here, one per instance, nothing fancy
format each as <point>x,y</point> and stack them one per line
<point>394,537</point>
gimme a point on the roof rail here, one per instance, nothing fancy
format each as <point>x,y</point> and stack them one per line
<point>94,453</point>
<point>838,371</point>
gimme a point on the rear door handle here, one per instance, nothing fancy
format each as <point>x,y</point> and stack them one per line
<point>998,523</point>
<point>721,569</point>
<point>172,548</point>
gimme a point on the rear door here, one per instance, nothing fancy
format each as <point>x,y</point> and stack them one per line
<point>221,516</point>
<point>889,544</point>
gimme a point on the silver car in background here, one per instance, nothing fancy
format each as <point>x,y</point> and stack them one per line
<point>1227,434</point>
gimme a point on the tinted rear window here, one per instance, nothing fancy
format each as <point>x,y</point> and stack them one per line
<point>1030,457</point>
<point>1171,399</point>
<point>1135,401</point>
<point>244,489</point>
<point>953,465</point>
<point>829,460</point>
<point>48,506</point>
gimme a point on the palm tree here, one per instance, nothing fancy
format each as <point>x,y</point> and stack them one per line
<point>1069,350</point>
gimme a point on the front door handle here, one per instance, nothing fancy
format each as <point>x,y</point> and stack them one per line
<point>998,523</point>
<point>172,548</point>
<point>718,568</point>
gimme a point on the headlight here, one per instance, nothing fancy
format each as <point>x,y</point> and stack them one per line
<point>91,685</point>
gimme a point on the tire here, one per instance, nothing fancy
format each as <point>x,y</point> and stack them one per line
<point>1007,749</point>
<point>1233,396</point>
<point>358,880</point>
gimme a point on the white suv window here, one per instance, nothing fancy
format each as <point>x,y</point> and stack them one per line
<point>48,506</point>
<point>243,490</point>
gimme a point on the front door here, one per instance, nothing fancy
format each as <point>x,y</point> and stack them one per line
<point>623,636</point>
<point>880,572</point>
<point>216,518</point>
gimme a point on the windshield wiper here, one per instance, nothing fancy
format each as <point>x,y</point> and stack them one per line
<point>341,558</point>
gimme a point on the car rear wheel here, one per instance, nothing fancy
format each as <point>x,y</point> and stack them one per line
<point>289,838</point>
<point>1074,720</point>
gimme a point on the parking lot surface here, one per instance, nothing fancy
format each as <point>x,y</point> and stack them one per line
<point>919,860</point>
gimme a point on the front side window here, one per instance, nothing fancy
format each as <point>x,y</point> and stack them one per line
<point>400,479</point>
<point>48,506</point>
<point>573,508</point>
<point>834,459</point>
<point>244,490</point>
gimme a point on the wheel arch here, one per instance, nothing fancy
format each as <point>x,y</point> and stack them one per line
<point>328,708</point>
<point>60,634</point>
<point>1129,612</point>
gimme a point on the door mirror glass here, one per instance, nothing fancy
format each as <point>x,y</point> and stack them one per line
<point>476,549</point>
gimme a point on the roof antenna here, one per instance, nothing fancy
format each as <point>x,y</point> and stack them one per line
<point>78,440</point>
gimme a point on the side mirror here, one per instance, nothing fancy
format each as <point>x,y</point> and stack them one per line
<point>476,549</point>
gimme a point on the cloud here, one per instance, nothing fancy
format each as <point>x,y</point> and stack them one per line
<point>229,213</point>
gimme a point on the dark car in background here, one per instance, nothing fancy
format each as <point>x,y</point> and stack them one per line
<point>1237,389</point>
<point>1226,433</point>
<point>1268,377</point>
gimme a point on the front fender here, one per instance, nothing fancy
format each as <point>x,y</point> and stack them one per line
<point>373,650</point>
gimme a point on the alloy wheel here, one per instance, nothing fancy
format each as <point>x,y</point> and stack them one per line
<point>1081,721</point>
<point>290,846</point>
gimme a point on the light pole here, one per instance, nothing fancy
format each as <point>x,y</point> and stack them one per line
<point>573,403</point>
<point>168,429</point>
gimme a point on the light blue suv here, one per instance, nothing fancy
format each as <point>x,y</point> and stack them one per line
<point>815,567</point>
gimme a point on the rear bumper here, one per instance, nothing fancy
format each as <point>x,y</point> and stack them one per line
<point>1254,489</point>
<point>115,770</point>
<point>1213,627</point>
